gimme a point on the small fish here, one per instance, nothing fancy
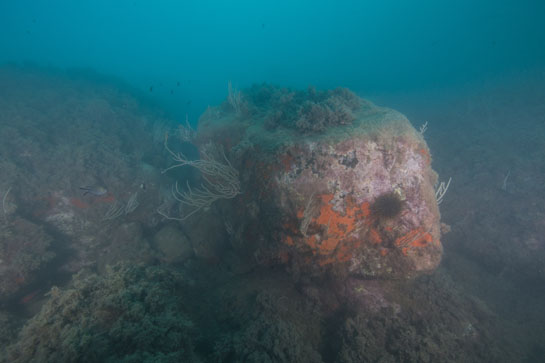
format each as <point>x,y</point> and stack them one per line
<point>96,190</point>
<point>151,88</point>
<point>178,84</point>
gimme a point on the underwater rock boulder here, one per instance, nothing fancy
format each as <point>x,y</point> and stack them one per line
<point>125,243</point>
<point>172,244</point>
<point>329,183</point>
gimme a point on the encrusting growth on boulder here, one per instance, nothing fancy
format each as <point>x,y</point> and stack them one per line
<point>330,183</point>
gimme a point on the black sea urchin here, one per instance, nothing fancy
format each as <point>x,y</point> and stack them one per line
<point>387,205</point>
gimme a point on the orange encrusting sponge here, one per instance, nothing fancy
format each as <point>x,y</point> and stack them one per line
<point>415,238</point>
<point>336,244</point>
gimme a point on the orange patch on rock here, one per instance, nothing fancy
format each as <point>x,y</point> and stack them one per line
<point>108,198</point>
<point>365,209</point>
<point>29,297</point>
<point>416,238</point>
<point>335,244</point>
<point>337,225</point>
<point>424,152</point>
<point>422,241</point>
<point>374,236</point>
<point>78,203</point>
<point>289,241</point>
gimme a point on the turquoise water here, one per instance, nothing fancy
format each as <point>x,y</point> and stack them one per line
<point>129,235</point>
<point>368,46</point>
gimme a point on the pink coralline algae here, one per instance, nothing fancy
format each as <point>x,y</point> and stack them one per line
<point>311,198</point>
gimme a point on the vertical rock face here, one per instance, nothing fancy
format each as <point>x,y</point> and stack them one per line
<point>330,183</point>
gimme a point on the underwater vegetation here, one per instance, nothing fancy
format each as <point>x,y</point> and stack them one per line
<point>25,251</point>
<point>307,111</point>
<point>325,246</point>
<point>128,314</point>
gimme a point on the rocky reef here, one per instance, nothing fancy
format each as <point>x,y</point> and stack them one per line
<point>131,313</point>
<point>291,226</point>
<point>329,183</point>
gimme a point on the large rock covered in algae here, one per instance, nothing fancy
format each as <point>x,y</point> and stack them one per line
<point>330,183</point>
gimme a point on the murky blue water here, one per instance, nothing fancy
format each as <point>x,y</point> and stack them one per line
<point>368,46</point>
<point>96,86</point>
